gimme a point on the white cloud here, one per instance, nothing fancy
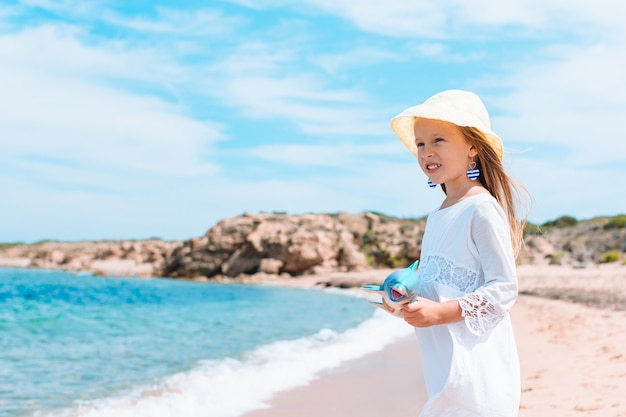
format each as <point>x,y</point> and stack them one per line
<point>567,111</point>
<point>358,57</point>
<point>37,211</point>
<point>392,17</point>
<point>573,101</point>
<point>65,6</point>
<point>57,50</point>
<point>450,19</point>
<point>395,188</point>
<point>302,101</point>
<point>6,12</point>
<point>346,155</point>
<point>62,121</point>
<point>562,189</point>
<point>170,21</point>
<point>263,83</point>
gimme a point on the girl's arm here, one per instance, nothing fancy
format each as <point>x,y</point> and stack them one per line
<point>485,307</point>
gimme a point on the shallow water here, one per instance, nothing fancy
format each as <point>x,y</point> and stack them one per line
<point>85,345</point>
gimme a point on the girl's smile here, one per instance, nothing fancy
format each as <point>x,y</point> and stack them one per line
<point>432,167</point>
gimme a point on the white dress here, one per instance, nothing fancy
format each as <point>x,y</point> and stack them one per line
<point>471,367</point>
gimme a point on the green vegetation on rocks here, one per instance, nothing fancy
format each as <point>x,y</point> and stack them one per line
<point>617,222</point>
<point>561,222</point>
<point>610,256</point>
<point>10,244</point>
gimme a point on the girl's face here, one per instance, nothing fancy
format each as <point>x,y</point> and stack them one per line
<point>443,152</point>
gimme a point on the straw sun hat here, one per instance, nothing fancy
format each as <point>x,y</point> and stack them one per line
<point>463,108</point>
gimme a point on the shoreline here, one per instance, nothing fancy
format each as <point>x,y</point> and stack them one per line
<point>568,324</point>
<point>573,361</point>
<point>357,388</point>
<point>572,351</point>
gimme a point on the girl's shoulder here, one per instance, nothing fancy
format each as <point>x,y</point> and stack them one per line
<point>485,208</point>
<point>484,202</point>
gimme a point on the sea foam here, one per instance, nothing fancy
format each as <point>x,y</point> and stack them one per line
<point>231,387</point>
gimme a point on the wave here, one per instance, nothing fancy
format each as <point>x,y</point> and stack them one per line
<point>231,387</point>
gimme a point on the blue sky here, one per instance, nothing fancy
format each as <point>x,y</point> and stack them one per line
<point>129,120</point>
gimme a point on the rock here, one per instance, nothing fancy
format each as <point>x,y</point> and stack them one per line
<point>578,244</point>
<point>270,266</point>
<point>279,243</point>
<point>110,258</point>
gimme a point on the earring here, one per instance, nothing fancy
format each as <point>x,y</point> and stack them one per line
<point>431,184</point>
<point>473,173</point>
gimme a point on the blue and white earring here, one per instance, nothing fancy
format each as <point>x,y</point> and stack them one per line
<point>473,173</point>
<point>431,184</point>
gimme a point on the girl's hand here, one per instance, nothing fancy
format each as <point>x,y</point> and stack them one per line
<point>425,313</point>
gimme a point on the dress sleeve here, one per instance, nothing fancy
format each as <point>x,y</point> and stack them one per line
<point>485,307</point>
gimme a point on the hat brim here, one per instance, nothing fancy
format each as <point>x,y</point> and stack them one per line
<point>403,126</point>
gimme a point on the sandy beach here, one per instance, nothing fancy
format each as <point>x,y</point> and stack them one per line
<point>572,352</point>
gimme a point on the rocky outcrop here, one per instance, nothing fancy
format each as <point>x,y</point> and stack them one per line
<point>274,244</point>
<point>580,244</point>
<point>111,258</point>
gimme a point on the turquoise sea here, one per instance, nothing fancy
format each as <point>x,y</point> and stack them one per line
<point>81,345</point>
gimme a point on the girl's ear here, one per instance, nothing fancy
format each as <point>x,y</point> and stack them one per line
<point>473,151</point>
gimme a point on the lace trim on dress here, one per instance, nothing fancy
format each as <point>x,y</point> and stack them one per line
<point>480,314</point>
<point>442,270</point>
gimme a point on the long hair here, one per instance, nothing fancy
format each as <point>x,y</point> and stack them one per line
<point>512,196</point>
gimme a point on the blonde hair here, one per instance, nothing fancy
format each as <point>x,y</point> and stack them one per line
<point>511,195</point>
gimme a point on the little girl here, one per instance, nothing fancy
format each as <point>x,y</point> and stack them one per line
<point>467,276</point>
